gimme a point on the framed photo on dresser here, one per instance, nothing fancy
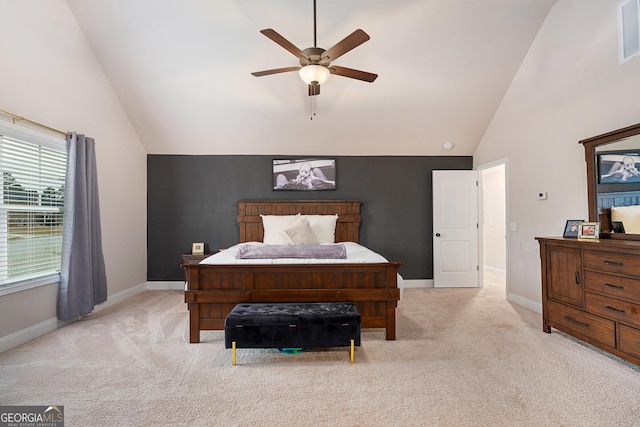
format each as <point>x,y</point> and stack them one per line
<point>617,227</point>
<point>571,228</point>
<point>588,230</point>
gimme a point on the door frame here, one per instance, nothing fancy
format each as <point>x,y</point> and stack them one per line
<point>480,168</point>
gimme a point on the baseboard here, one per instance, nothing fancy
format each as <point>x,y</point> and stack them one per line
<point>494,270</point>
<point>32,332</point>
<point>166,286</point>
<point>121,296</point>
<point>525,302</point>
<point>18,338</point>
<point>416,283</point>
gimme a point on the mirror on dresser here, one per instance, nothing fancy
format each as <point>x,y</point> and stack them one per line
<point>613,181</point>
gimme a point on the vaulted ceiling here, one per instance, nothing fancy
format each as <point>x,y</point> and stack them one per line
<point>182,71</point>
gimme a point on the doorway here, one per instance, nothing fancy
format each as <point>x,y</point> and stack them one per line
<point>455,229</point>
<point>493,232</point>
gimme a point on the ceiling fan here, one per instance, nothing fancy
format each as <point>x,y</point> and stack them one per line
<point>315,62</point>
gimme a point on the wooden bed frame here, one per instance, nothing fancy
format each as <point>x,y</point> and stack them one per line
<point>213,290</point>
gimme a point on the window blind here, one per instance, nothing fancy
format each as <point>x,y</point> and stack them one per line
<point>31,208</point>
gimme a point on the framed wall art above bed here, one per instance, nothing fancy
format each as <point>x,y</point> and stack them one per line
<point>311,174</point>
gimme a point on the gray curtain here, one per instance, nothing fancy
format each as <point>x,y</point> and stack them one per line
<point>83,282</point>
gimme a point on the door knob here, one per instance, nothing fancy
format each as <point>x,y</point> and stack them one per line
<point>437,234</point>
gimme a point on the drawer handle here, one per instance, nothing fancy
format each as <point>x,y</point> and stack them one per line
<point>614,286</point>
<point>613,263</point>
<point>577,277</point>
<point>619,310</point>
<point>571,319</point>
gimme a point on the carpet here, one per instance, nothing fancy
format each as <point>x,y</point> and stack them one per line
<point>463,357</point>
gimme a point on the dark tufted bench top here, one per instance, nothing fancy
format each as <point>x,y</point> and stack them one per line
<point>286,314</point>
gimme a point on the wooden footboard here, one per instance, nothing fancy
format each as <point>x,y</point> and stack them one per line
<point>213,290</point>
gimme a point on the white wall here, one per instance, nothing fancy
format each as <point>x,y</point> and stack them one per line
<point>569,87</point>
<point>50,75</point>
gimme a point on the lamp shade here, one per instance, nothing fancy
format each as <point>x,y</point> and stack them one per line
<point>314,73</point>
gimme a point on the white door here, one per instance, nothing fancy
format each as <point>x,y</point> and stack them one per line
<point>455,229</point>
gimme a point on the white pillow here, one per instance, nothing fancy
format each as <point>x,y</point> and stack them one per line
<point>630,217</point>
<point>274,226</point>
<point>300,233</point>
<point>323,226</point>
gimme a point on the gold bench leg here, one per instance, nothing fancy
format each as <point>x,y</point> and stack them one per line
<point>233,353</point>
<point>352,351</point>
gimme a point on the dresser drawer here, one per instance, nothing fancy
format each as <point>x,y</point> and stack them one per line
<point>616,286</point>
<point>612,262</point>
<point>630,340</point>
<point>613,308</point>
<point>580,324</point>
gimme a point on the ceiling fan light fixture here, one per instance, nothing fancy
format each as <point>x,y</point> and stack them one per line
<point>314,74</point>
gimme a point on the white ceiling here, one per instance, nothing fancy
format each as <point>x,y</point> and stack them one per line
<point>181,69</point>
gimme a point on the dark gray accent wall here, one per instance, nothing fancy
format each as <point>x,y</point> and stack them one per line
<point>193,199</point>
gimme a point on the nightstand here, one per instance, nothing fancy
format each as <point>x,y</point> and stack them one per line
<point>193,259</point>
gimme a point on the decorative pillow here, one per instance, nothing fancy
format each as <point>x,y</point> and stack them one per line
<point>274,226</point>
<point>630,217</point>
<point>323,226</point>
<point>300,233</point>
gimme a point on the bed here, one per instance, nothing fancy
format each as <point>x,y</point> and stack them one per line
<point>212,290</point>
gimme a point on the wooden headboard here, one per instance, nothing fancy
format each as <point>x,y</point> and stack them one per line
<point>347,226</point>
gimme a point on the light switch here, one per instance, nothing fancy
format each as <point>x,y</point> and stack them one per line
<point>542,195</point>
<point>514,226</point>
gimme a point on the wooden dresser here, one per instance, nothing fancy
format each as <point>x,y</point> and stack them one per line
<point>591,290</point>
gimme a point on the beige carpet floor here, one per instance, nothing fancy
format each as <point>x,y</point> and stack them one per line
<point>464,357</point>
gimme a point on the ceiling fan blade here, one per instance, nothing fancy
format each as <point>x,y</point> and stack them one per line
<point>276,37</point>
<point>314,90</point>
<point>353,74</point>
<point>350,42</point>
<point>274,71</point>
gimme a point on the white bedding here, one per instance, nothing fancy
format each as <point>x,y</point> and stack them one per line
<point>355,254</point>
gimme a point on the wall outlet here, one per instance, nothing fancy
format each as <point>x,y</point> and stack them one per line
<point>542,195</point>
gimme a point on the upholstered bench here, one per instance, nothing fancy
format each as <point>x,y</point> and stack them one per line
<point>292,325</point>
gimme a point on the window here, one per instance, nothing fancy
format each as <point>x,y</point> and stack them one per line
<point>33,168</point>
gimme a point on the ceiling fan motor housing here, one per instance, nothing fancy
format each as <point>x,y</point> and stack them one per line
<point>313,55</point>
